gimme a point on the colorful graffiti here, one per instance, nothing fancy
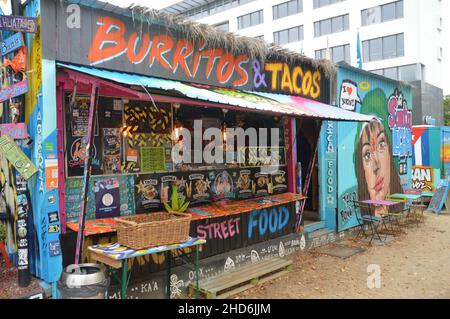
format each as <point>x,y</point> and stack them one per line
<point>376,155</point>
<point>423,178</point>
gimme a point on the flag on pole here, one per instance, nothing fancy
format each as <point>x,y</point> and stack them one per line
<point>358,52</point>
<point>327,52</point>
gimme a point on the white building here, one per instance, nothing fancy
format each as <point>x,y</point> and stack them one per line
<point>399,39</point>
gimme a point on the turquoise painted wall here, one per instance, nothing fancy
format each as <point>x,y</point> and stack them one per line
<point>381,171</point>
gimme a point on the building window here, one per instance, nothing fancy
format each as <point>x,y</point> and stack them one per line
<point>332,25</point>
<point>214,7</point>
<point>287,8</point>
<point>224,26</point>
<point>383,13</point>
<point>322,3</point>
<point>337,54</point>
<point>383,48</point>
<point>409,72</point>
<point>250,19</point>
<point>294,34</point>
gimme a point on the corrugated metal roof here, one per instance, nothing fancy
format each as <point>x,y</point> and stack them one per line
<point>252,101</point>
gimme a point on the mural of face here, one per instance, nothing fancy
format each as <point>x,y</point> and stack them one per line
<point>376,160</point>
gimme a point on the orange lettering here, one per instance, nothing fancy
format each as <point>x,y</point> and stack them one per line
<point>286,82</point>
<point>240,70</point>
<point>211,55</point>
<point>225,62</point>
<point>111,31</point>
<point>295,74</point>
<point>132,43</point>
<point>161,45</point>
<point>274,68</point>
<point>183,50</point>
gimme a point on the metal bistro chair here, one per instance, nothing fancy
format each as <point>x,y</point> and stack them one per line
<point>403,213</point>
<point>365,218</point>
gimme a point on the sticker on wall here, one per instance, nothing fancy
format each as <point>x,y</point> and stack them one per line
<point>53,229</point>
<point>349,97</point>
<point>53,217</point>
<point>107,198</point>
<point>54,248</point>
<point>51,173</point>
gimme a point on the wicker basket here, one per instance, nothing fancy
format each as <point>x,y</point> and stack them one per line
<point>150,230</point>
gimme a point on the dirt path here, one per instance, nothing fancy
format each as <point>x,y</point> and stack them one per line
<point>414,265</point>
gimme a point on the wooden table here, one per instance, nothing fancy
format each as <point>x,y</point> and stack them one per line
<point>116,257</point>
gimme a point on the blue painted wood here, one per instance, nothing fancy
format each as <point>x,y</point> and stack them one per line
<point>12,43</point>
<point>314,227</point>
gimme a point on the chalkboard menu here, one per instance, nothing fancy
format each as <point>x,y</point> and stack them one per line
<point>439,197</point>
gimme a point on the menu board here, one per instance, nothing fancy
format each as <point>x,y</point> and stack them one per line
<point>439,197</point>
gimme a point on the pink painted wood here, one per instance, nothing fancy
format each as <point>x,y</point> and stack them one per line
<point>379,202</point>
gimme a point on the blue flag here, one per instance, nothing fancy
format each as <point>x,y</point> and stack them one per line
<point>358,52</point>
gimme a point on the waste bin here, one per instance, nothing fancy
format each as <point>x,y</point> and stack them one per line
<point>84,281</point>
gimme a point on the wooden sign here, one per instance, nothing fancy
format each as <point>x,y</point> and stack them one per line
<point>18,159</point>
<point>12,43</point>
<point>439,197</point>
<point>14,90</point>
<point>16,131</point>
<point>18,23</point>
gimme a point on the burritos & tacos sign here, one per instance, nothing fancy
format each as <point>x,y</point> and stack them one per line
<point>188,52</point>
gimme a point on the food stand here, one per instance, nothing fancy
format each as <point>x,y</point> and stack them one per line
<point>157,78</point>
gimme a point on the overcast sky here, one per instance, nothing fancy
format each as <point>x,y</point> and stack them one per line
<point>158,4</point>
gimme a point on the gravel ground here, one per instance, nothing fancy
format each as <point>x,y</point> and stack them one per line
<point>414,265</point>
<point>8,284</point>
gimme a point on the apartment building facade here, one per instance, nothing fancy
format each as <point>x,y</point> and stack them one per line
<point>402,40</point>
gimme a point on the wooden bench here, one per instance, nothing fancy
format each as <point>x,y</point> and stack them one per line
<point>241,279</point>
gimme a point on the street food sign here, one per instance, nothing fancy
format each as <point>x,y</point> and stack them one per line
<point>18,23</point>
<point>16,157</point>
<point>12,43</point>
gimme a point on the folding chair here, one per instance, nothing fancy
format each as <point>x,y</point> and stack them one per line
<point>365,218</point>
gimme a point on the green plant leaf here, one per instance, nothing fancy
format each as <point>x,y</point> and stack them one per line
<point>168,208</point>
<point>184,207</point>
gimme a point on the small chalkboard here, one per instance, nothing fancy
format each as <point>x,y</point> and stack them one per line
<point>439,197</point>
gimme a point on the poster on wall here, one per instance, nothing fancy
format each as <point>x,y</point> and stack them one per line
<point>168,181</point>
<point>107,198</point>
<point>76,155</point>
<point>198,188</point>
<point>279,182</point>
<point>244,184</point>
<point>79,116</point>
<point>222,185</point>
<point>262,183</point>
<point>111,150</point>
<point>147,189</point>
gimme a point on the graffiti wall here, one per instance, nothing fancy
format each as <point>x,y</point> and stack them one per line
<point>377,156</point>
<point>431,160</point>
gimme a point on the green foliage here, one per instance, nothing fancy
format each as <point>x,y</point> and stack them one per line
<point>447,110</point>
<point>178,204</point>
<point>2,232</point>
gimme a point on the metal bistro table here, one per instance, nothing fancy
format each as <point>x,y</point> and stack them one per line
<point>387,203</point>
<point>116,257</point>
<point>410,199</point>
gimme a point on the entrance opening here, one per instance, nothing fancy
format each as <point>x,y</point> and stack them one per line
<point>308,131</point>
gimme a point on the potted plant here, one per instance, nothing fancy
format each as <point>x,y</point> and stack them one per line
<point>177,204</point>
